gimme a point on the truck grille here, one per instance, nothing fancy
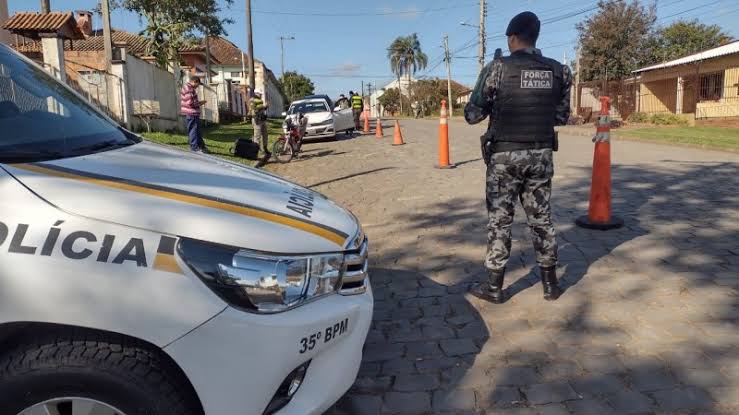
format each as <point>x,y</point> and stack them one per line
<point>355,276</point>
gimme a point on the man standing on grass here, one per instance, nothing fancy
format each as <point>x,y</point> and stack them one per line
<point>259,121</point>
<point>190,108</point>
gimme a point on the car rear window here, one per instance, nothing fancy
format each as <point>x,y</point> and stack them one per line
<point>308,107</point>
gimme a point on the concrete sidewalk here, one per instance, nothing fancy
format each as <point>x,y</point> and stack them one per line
<point>648,323</point>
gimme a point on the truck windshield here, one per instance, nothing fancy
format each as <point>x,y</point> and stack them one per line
<point>40,119</point>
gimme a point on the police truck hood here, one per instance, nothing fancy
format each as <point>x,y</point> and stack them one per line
<point>158,188</point>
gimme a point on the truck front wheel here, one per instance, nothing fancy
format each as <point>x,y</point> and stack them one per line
<point>75,371</point>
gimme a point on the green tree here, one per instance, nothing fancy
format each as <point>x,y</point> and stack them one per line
<point>170,22</point>
<point>614,40</point>
<point>406,58</point>
<point>430,92</point>
<point>296,85</point>
<point>683,38</point>
<point>390,100</point>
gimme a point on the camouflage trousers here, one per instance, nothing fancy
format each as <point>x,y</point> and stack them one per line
<point>525,175</point>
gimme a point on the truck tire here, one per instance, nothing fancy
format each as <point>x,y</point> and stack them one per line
<point>131,376</point>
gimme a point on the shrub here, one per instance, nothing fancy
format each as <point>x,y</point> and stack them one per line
<point>638,117</point>
<point>667,119</point>
<point>658,119</point>
<point>575,120</point>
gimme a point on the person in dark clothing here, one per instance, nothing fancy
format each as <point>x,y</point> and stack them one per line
<point>190,108</point>
<point>524,95</point>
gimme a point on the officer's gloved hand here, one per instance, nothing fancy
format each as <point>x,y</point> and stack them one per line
<point>474,114</point>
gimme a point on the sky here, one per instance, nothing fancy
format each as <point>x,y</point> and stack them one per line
<point>341,45</point>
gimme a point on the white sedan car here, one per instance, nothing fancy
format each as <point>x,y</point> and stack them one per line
<point>323,121</point>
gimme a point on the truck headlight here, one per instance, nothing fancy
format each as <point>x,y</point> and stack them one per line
<point>260,282</point>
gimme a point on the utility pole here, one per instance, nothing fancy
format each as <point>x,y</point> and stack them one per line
<point>282,53</point>
<point>483,36</point>
<point>577,81</point>
<point>107,35</point>
<point>207,59</point>
<point>447,58</point>
<point>250,45</point>
<point>45,6</point>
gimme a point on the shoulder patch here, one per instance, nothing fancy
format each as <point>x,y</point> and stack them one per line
<point>536,79</point>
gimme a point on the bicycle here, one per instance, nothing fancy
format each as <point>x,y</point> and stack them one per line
<point>288,145</point>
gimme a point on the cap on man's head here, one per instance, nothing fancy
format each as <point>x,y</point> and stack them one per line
<point>351,92</point>
<point>194,78</point>
<point>525,25</point>
<point>258,92</point>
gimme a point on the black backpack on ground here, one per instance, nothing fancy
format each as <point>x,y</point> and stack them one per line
<point>245,148</point>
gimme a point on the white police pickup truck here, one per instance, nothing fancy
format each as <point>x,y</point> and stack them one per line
<point>137,279</point>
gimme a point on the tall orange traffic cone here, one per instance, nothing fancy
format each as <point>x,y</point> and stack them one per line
<point>366,129</point>
<point>599,213</point>
<point>378,129</point>
<point>444,139</point>
<point>398,136</point>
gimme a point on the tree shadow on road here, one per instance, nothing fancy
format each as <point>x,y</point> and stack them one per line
<point>648,322</point>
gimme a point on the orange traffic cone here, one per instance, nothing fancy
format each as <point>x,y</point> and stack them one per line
<point>378,129</point>
<point>366,129</point>
<point>444,139</point>
<point>599,213</point>
<point>398,136</point>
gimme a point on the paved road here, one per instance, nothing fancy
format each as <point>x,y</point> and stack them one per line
<point>648,323</point>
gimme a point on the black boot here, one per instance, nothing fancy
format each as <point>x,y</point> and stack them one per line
<point>549,282</point>
<point>493,290</point>
<point>263,161</point>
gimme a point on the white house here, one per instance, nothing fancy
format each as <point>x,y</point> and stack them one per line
<point>232,67</point>
<point>375,107</point>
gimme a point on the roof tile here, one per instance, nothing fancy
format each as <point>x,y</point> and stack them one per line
<point>42,23</point>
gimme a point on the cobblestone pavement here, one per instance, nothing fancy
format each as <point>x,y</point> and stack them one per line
<point>648,323</point>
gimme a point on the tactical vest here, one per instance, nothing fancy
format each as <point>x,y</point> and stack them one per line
<point>257,103</point>
<point>258,110</point>
<point>526,101</point>
<point>357,103</point>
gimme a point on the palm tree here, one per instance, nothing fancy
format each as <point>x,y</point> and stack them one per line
<point>406,57</point>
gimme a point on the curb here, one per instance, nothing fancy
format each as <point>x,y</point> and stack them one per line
<point>616,136</point>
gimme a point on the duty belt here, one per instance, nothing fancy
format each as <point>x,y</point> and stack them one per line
<point>501,146</point>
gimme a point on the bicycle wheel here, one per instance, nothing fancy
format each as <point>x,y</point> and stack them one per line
<point>282,151</point>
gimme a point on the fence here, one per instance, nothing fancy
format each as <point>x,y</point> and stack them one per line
<point>711,102</point>
<point>622,94</point>
<point>210,111</point>
<point>102,89</point>
<point>231,98</point>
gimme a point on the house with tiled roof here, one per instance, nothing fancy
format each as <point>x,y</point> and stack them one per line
<point>227,62</point>
<point>232,67</point>
<point>701,86</point>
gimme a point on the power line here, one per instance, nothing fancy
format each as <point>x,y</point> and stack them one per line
<point>360,14</point>
<point>691,9</point>
<point>357,76</point>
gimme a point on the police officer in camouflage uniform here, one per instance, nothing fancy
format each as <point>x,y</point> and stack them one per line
<point>525,95</point>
